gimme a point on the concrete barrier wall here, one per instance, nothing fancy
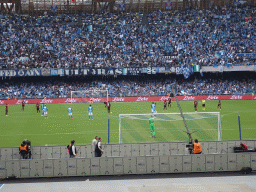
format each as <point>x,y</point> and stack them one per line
<point>125,150</point>
<point>126,165</point>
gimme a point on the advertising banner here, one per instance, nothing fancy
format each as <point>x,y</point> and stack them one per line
<point>128,99</point>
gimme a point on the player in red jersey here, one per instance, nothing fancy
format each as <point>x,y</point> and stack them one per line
<point>195,105</point>
<point>23,105</point>
<point>37,108</point>
<point>170,102</point>
<point>219,105</point>
<point>108,105</point>
<point>165,105</point>
<point>6,109</point>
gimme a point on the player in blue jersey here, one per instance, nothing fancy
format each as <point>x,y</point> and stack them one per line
<point>70,112</point>
<point>153,108</point>
<point>90,112</point>
<point>42,107</point>
<point>45,110</point>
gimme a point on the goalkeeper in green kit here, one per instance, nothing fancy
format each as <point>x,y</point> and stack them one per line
<point>152,126</point>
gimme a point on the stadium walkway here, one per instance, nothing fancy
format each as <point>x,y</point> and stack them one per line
<point>197,182</point>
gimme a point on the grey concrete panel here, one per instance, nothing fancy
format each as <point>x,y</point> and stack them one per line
<point>222,147</point>
<point>107,150</point>
<point>118,166</point>
<point>3,173</point>
<point>16,153</point>
<point>164,149</point>
<point>36,168</point>
<point>46,152</point>
<point>56,152</point>
<point>13,168</point>
<point>48,168</point>
<point>130,165</point>
<point>212,147</point>
<point>232,162</point>
<point>83,167</point>
<point>141,165</point>
<point>174,148</point>
<point>106,166</point>
<point>182,150</point>
<point>175,162</point>
<point>60,167</point>
<point>36,152</point>
<point>205,147</point>
<point>243,160</point>
<point>72,167</point>
<point>209,166</point>
<point>6,153</point>
<point>253,161</point>
<point>231,145</point>
<point>64,152</point>
<point>153,165</point>
<point>187,163</point>
<point>198,163</point>
<point>125,150</point>
<point>115,149</point>
<point>154,149</point>
<point>95,166</point>
<point>135,150</point>
<point>89,151</point>
<point>144,149</point>
<point>164,164</point>
<point>24,169</point>
<point>221,162</point>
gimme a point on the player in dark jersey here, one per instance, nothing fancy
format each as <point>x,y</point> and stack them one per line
<point>6,109</point>
<point>219,105</point>
<point>108,105</point>
<point>195,105</point>
<point>37,108</point>
<point>170,102</point>
<point>165,105</point>
<point>22,105</point>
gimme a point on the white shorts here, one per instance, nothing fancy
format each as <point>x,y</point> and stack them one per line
<point>90,113</point>
<point>45,113</point>
<point>70,114</point>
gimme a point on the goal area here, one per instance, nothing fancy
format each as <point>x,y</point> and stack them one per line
<point>169,127</point>
<point>89,96</point>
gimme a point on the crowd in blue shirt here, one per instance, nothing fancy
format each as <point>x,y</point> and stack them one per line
<point>122,88</point>
<point>202,37</point>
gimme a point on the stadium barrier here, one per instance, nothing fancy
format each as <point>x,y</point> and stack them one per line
<point>128,99</point>
<point>127,165</point>
<point>125,150</point>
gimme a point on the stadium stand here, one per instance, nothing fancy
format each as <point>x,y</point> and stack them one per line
<point>124,88</point>
<point>204,37</point>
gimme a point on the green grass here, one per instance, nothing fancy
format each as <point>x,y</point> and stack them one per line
<point>58,129</point>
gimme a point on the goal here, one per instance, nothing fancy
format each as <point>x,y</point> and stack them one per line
<point>87,96</point>
<point>169,127</point>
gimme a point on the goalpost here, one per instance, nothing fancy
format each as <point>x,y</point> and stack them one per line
<point>97,95</point>
<point>205,126</point>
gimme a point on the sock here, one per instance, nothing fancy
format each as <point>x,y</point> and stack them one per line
<point>89,117</point>
<point>151,133</point>
<point>154,133</point>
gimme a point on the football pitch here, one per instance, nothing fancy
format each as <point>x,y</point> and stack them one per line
<point>58,129</point>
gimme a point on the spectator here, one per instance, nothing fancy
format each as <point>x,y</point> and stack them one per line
<point>94,143</point>
<point>197,147</point>
<point>98,148</point>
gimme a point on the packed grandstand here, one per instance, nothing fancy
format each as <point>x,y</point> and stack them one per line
<point>192,37</point>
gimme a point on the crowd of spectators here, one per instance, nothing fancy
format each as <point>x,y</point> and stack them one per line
<point>204,37</point>
<point>121,88</point>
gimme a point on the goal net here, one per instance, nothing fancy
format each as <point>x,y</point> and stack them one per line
<point>169,127</point>
<point>89,96</point>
